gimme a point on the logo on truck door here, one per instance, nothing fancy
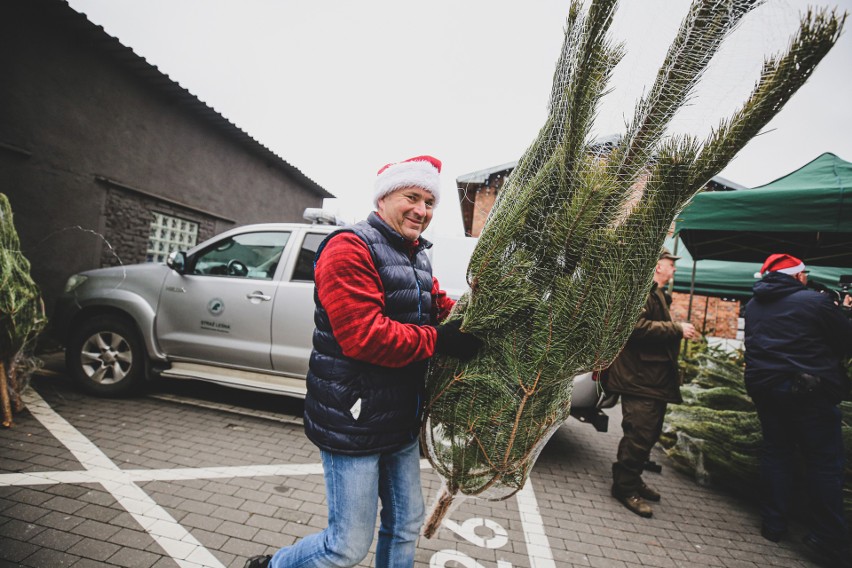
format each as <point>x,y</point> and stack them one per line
<point>216,306</point>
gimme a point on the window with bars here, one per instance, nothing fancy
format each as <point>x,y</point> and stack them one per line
<point>169,234</point>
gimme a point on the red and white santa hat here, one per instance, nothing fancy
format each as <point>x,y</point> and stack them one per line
<point>420,171</point>
<point>783,263</point>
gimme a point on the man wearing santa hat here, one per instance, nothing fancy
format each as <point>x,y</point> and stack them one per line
<point>796,341</point>
<point>377,312</point>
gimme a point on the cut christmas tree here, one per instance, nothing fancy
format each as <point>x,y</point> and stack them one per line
<point>565,260</point>
<point>21,312</point>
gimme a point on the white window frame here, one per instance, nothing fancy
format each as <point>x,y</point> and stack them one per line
<point>167,234</point>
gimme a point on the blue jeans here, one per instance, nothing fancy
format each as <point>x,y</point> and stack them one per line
<point>811,423</point>
<point>354,485</point>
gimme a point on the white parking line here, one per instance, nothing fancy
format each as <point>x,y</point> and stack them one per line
<point>96,475</point>
<point>538,547</point>
<point>163,528</point>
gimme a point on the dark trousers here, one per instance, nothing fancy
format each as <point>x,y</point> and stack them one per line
<point>810,422</point>
<point>642,423</point>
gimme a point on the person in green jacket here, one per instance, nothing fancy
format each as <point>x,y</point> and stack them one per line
<point>645,375</point>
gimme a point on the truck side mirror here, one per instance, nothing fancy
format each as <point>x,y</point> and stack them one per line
<point>177,261</point>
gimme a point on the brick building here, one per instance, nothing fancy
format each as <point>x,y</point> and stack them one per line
<point>717,317</point>
<point>477,192</point>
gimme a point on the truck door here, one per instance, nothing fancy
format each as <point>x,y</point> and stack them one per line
<point>220,311</point>
<point>293,316</point>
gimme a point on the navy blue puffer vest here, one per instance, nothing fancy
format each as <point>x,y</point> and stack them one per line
<point>353,407</point>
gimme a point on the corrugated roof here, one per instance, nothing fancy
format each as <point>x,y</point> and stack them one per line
<point>605,143</point>
<point>725,183</point>
<point>482,175</point>
<point>77,21</point>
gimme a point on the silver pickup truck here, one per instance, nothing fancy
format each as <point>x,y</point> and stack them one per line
<point>236,310</point>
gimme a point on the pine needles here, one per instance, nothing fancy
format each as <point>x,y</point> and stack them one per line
<point>21,309</point>
<point>715,435</point>
<point>564,263</point>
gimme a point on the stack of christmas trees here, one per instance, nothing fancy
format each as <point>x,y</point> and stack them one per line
<point>714,436</point>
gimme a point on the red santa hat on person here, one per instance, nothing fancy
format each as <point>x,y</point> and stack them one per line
<point>420,171</point>
<point>783,263</point>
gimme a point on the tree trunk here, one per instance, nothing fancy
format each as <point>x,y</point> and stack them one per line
<point>4,396</point>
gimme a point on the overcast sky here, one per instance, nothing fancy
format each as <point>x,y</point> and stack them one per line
<point>339,88</point>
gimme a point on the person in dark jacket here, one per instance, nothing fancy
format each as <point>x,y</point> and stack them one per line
<point>796,341</point>
<point>646,377</point>
<point>377,308</point>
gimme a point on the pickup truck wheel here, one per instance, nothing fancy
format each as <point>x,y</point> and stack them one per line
<point>105,356</point>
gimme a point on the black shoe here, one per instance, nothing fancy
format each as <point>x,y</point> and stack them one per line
<point>773,534</point>
<point>648,494</point>
<point>636,505</point>
<point>261,561</point>
<point>830,557</point>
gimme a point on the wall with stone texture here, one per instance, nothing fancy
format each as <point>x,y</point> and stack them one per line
<point>93,140</point>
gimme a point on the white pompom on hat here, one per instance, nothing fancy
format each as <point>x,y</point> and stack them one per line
<point>783,263</point>
<point>420,171</point>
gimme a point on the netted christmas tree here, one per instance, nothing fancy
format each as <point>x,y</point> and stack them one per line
<point>21,313</point>
<point>565,260</point>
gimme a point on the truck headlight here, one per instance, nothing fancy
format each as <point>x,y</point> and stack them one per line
<point>74,282</point>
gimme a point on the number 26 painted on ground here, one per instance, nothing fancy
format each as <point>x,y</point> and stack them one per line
<point>467,530</point>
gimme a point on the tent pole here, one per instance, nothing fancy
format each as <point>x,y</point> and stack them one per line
<point>674,252</point>
<point>691,291</point>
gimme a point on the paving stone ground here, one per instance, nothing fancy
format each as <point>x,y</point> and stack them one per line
<point>167,480</point>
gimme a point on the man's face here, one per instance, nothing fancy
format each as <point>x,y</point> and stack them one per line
<point>665,271</point>
<point>408,211</point>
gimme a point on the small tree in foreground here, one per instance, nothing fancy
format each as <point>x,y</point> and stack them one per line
<point>21,313</point>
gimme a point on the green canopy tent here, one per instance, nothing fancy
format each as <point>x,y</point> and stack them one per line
<point>728,234</point>
<point>730,279</point>
<point>807,213</point>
